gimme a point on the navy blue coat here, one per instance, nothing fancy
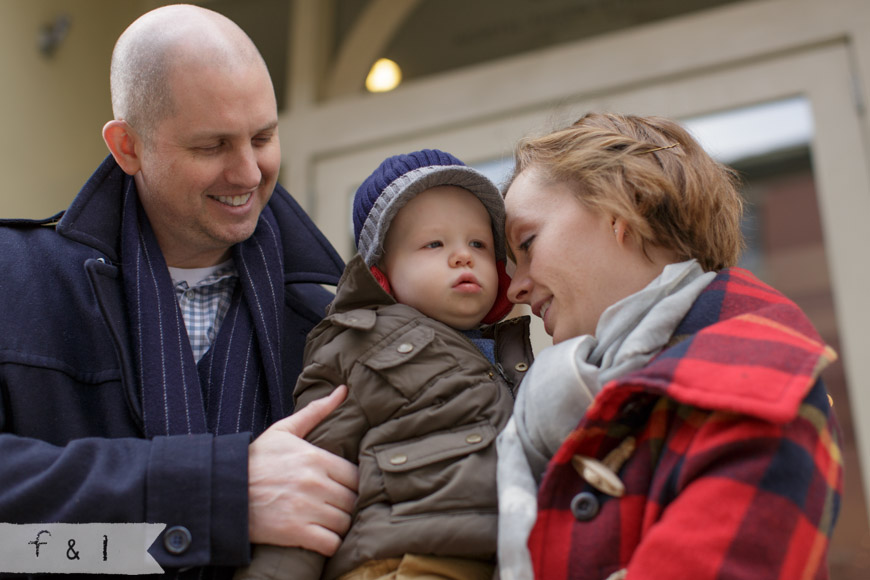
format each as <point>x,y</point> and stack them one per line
<point>72,446</point>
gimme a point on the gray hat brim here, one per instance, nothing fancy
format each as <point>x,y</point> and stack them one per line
<point>404,188</point>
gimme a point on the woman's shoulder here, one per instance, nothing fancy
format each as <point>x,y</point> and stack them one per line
<point>743,347</point>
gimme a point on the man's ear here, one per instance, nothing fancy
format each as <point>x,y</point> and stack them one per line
<point>122,142</point>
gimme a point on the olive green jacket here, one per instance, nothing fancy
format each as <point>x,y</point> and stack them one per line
<point>423,410</point>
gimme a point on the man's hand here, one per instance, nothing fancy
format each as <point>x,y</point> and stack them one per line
<point>299,494</point>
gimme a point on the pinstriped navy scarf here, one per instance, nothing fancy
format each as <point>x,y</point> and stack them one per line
<point>237,384</point>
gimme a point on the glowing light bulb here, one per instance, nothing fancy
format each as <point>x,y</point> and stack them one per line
<point>385,75</point>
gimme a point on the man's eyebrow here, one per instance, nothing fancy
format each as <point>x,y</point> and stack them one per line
<point>271,126</point>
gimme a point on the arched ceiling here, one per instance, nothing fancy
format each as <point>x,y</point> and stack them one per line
<point>427,37</point>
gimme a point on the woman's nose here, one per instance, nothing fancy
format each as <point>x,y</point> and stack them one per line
<point>518,291</point>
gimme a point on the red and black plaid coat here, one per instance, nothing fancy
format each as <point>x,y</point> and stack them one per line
<point>727,447</point>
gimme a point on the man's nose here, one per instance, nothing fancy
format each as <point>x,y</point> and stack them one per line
<point>244,171</point>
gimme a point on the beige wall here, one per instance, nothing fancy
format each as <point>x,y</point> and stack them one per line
<point>52,109</point>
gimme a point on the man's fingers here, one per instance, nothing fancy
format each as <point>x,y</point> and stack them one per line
<point>321,540</point>
<point>335,521</point>
<point>343,496</point>
<point>303,421</point>
<point>300,494</point>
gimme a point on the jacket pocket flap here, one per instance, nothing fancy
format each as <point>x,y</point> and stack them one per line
<point>435,447</point>
<point>402,349</point>
<point>359,319</point>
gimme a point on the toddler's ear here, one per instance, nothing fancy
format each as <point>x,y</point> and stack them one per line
<point>382,279</point>
<point>502,305</point>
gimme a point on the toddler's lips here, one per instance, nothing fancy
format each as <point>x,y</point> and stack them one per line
<point>467,283</point>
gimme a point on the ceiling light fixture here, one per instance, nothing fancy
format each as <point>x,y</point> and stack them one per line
<point>385,75</point>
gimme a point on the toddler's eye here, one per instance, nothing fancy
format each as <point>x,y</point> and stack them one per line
<point>433,245</point>
<point>477,244</point>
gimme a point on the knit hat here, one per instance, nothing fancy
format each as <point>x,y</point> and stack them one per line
<point>396,181</point>
<point>399,178</point>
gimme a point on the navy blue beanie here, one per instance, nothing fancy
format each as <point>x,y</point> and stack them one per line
<point>399,178</point>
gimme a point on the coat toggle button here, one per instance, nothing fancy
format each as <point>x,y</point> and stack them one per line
<point>598,475</point>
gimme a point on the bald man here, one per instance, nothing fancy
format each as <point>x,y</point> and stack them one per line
<point>152,333</point>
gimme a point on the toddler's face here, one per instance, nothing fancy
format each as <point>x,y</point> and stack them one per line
<point>439,256</point>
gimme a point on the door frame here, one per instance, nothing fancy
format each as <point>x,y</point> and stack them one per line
<point>682,68</point>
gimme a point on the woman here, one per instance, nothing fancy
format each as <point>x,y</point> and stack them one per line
<point>706,446</point>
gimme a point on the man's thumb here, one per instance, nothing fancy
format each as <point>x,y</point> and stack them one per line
<point>307,418</point>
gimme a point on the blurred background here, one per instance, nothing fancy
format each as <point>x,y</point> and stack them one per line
<point>778,89</point>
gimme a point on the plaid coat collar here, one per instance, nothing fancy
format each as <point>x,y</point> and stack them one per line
<point>745,334</point>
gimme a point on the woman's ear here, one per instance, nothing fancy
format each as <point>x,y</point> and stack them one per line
<point>620,229</point>
<point>122,142</point>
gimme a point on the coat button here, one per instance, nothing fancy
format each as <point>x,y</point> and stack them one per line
<point>405,347</point>
<point>584,506</point>
<point>521,367</point>
<point>474,438</point>
<point>399,459</point>
<point>177,540</point>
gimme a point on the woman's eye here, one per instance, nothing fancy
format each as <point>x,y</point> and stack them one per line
<point>526,244</point>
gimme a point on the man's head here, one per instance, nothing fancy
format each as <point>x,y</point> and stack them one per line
<point>196,125</point>
<point>432,194</point>
<point>145,53</point>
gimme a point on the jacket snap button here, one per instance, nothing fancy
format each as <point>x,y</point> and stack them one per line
<point>474,438</point>
<point>584,506</point>
<point>405,347</point>
<point>398,459</point>
<point>522,367</point>
<point>177,540</point>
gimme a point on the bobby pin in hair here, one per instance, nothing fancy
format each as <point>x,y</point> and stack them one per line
<point>658,149</point>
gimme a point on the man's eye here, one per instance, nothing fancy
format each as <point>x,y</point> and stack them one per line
<point>526,244</point>
<point>210,148</point>
<point>262,139</point>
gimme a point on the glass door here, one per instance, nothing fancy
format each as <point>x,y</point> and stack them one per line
<point>809,202</point>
